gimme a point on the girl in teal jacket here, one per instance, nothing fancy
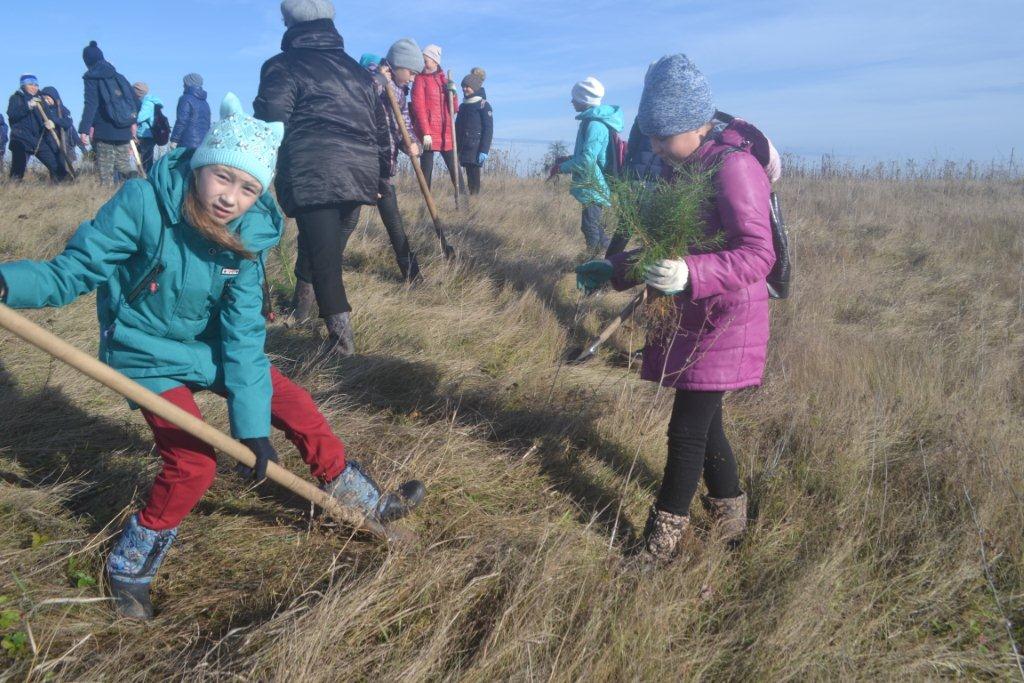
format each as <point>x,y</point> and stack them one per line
<point>177,263</point>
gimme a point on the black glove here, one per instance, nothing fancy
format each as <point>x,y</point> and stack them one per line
<point>264,452</point>
<point>3,289</point>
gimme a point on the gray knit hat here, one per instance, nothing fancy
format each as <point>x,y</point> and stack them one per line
<point>473,82</point>
<point>193,80</point>
<point>676,99</point>
<point>298,11</point>
<point>406,54</point>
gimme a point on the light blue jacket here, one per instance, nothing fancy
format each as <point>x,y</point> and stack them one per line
<point>147,110</point>
<point>174,308</point>
<point>590,154</point>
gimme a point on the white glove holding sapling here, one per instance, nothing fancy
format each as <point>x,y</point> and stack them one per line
<point>668,276</point>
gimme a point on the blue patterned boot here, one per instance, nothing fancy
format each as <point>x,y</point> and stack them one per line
<point>354,488</point>
<point>133,563</point>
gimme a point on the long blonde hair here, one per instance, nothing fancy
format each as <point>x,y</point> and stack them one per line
<point>205,224</point>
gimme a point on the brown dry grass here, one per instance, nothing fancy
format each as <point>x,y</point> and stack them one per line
<point>886,442</point>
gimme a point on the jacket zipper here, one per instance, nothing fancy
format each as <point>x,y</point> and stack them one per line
<point>146,282</point>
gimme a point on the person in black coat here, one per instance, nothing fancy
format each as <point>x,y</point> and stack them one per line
<point>109,136</point>
<point>65,124</point>
<point>3,140</point>
<point>335,152</point>
<point>30,134</point>
<point>474,130</point>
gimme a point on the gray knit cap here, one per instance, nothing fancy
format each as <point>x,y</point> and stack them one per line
<point>406,54</point>
<point>298,11</point>
<point>193,80</point>
<point>676,99</point>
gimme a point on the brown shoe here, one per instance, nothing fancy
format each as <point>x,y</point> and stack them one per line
<point>728,516</point>
<point>663,536</point>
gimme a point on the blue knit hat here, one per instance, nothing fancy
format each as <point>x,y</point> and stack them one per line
<point>241,141</point>
<point>676,99</point>
<point>29,79</point>
<point>369,59</point>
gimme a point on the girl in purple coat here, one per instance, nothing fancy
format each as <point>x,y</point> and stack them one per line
<point>721,339</point>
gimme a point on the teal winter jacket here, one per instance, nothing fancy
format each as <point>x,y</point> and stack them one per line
<point>174,308</point>
<point>147,114</point>
<point>590,154</point>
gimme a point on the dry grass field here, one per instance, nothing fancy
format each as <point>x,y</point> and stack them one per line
<point>883,457</point>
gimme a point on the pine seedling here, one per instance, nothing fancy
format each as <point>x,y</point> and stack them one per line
<point>667,220</point>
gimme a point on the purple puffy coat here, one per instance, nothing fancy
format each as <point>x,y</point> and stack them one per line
<point>721,341</point>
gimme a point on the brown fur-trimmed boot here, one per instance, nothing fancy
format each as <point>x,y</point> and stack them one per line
<point>663,536</point>
<point>728,516</point>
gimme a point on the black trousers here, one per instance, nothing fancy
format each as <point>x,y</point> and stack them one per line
<point>427,163</point>
<point>323,236</point>
<point>387,205</point>
<point>473,178</point>
<point>146,148</point>
<point>697,445</point>
<point>47,155</point>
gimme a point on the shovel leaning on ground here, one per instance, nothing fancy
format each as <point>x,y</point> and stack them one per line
<point>56,139</point>
<point>460,184</point>
<point>138,158</point>
<point>449,252</point>
<point>624,315</point>
<point>32,333</point>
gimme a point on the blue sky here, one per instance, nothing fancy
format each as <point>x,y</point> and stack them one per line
<point>869,79</point>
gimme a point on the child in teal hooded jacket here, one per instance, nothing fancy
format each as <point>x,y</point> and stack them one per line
<point>587,164</point>
<point>177,262</point>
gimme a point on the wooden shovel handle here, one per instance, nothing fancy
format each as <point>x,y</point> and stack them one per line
<point>45,340</point>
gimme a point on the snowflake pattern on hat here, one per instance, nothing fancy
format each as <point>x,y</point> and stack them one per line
<point>241,141</point>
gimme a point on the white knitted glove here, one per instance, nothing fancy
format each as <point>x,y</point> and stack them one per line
<point>428,143</point>
<point>669,276</point>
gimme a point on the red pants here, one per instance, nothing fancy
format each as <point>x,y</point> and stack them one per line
<point>190,465</point>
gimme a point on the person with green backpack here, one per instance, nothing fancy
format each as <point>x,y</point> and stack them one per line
<point>110,116</point>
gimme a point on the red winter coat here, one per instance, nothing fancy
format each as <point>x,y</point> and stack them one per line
<point>721,341</point>
<point>430,110</point>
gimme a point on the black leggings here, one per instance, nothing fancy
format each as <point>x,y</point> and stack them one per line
<point>387,205</point>
<point>427,163</point>
<point>696,445</point>
<point>323,235</point>
<point>47,155</point>
<point>473,178</point>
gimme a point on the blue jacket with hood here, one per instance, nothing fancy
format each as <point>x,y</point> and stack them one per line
<point>193,119</point>
<point>590,154</point>
<point>174,308</point>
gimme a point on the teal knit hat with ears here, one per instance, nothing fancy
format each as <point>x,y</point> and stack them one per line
<point>241,141</point>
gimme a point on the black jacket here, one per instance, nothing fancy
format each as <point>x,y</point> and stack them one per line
<point>474,130</point>
<point>95,113</point>
<point>26,126</point>
<point>336,146</point>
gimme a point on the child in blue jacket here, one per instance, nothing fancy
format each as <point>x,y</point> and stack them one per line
<point>177,264</point>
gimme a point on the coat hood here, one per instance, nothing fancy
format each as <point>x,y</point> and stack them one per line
<point>738,133</point>
<point>261,227</point>
<point>607,114</point>
<point>196,91</point>
<point>321,34</point>
<point>52,92</point>
<point>101,69</point>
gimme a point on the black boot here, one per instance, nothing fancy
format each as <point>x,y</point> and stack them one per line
<point>410,268</point>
